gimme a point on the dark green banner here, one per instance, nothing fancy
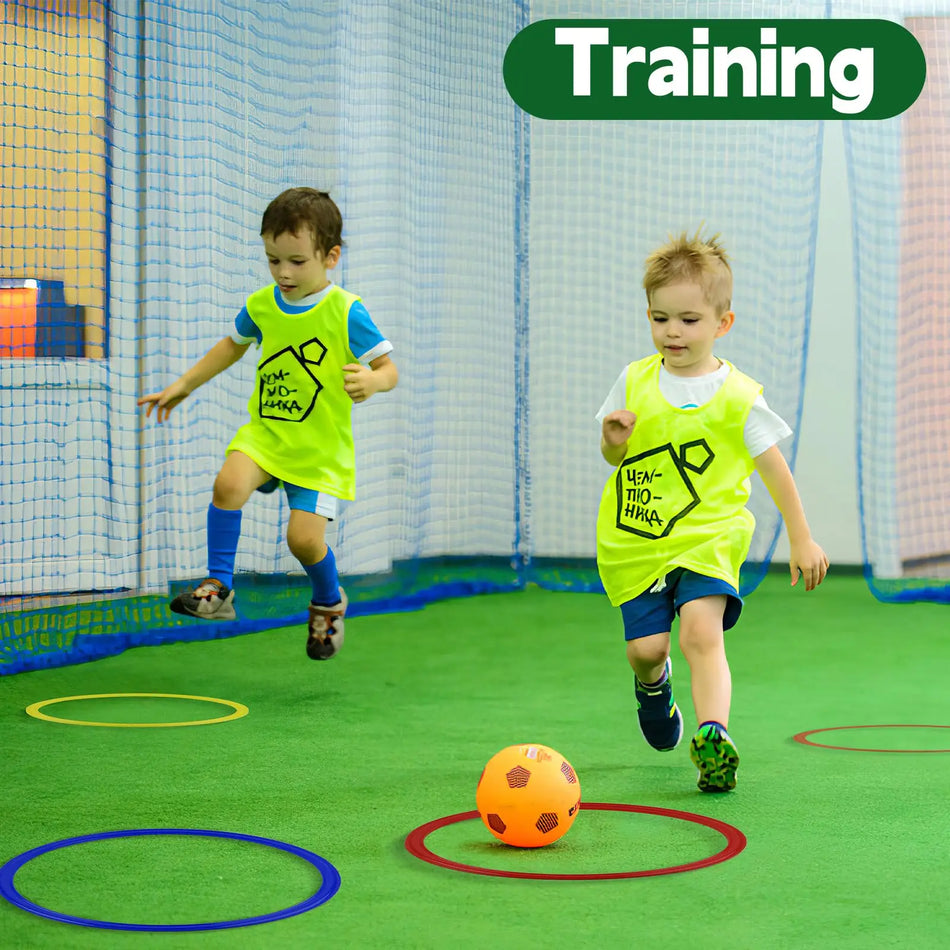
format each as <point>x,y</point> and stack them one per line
<point>714,69</point>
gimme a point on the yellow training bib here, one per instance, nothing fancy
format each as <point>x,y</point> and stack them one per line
<point>300,429</point>
<point>678,497</point>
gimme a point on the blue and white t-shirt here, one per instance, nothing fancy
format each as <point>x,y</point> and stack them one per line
<point>366,342</point>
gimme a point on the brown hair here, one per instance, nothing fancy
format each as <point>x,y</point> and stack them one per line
<point>693,259</point>
<point>305,207</point>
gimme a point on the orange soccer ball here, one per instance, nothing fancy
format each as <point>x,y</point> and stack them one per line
<point>528,795</point>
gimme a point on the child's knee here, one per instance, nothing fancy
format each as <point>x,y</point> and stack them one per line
<point>701,624</point>
<point>648,651</point>
<point>307,546</point>
<point>700,637</point>
<point>228,492</point>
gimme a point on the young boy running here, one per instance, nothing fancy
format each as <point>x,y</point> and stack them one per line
<point>314,338</point>
<point>684,430</point>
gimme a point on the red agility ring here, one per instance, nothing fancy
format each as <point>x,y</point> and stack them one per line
<point>735,842</point>
<point>802,737</point>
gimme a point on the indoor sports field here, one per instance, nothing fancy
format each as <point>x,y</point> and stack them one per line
<point>171,777</point>
<point>845,848</point>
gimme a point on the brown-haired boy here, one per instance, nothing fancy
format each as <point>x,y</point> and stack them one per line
<point>314,339</point>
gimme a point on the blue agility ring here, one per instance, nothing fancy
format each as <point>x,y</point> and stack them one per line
<point>329,887</point>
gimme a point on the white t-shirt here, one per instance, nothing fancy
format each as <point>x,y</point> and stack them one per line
<point>763,428</point>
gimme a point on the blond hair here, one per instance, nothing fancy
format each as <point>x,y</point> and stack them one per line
<point>694,260</point>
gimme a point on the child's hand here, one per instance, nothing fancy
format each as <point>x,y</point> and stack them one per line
<point>618,426</point>
<point>808,558</point>
<point>164,401</point>
<point>359,382</point>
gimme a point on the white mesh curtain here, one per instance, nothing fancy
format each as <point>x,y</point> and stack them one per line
<point>899,176</point>
<point>602,196</point>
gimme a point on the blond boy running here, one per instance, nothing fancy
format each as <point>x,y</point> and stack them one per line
<point>684,431</point>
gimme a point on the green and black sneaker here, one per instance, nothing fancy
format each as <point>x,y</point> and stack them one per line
<point>716,757</point>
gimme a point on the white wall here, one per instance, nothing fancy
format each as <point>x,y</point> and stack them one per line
<point>826,469</point>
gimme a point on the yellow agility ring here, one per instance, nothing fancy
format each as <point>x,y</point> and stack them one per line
<point>34,710</point>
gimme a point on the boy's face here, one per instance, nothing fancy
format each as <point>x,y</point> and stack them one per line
<point>685,326</point>
<point>296,266</point>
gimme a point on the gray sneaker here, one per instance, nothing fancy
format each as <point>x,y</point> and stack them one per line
<point>210,600</point>
<point>325,629</point>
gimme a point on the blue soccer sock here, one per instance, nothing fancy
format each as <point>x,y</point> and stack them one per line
<point>224,529</point>
<point>323,577</point>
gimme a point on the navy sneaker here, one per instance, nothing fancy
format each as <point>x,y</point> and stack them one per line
<point>716,757</point>
<point>660,719</point>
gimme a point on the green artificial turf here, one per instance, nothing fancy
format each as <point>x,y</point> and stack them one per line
<point>345,758</point>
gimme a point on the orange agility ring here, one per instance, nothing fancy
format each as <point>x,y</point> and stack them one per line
<point>803,738</point>
<point>735,843</point>
<point>35,710</point>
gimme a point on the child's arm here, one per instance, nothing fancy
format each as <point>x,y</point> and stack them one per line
<point>222,355</point>
<point>806,556</point>
<point>361,381</point>
<point>616,430</point>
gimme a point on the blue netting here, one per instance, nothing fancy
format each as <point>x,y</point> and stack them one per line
<point>501,255</point>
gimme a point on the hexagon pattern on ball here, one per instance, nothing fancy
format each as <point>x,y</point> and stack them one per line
<point>528,795</point>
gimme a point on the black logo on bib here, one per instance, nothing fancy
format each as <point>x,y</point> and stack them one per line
<point>287,388</point>
<point>654,490</point>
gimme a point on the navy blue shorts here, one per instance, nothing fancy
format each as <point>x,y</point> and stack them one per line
<point>654,612</point>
